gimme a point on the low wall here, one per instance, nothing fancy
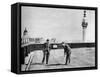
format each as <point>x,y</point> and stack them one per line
<point>25,50</point>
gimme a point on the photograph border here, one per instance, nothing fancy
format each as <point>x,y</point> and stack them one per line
<point>18,20</point>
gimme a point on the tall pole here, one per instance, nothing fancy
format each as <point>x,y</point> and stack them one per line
<point>83,35</point>
<point>84,26</point>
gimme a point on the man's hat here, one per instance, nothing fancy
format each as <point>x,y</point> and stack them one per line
<point>62,42</point>
<point>47,40</point>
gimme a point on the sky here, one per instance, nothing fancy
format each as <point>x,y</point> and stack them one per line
<point>62,24</point>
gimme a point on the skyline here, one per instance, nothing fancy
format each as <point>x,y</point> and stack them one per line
<point>62,24</point>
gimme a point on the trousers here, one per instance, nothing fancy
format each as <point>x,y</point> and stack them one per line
<point>68,55</point>
<point>45,56</point>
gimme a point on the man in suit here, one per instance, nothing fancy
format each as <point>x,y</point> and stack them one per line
<point>46,51</point>
<point>67,52</point>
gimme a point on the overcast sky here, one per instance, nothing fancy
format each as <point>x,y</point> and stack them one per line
<point>62,24</point>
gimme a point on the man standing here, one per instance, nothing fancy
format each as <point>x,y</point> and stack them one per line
<point>46,51</point>
<point>67,52</point>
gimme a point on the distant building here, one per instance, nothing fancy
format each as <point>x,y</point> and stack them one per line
<point>54,40</point>
<point>36,40</point>
<point>84,26</point>
<point>32,40</point>
<point>25,38</point>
